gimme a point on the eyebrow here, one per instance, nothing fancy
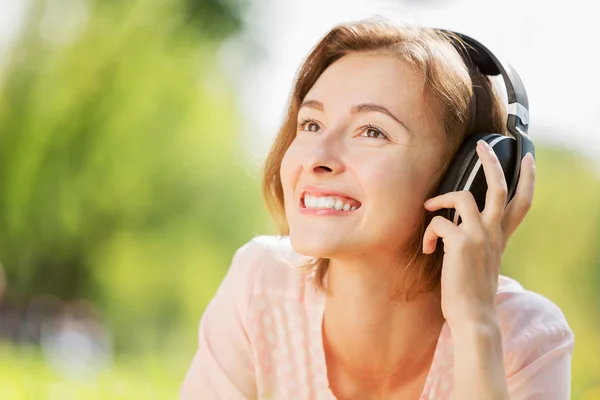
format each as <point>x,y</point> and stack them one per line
<point>314,104</point>
<point>361,108</point>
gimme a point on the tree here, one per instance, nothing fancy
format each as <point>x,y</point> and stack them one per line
<point>118,157</point>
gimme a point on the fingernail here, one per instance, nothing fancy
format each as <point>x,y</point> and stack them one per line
<point>530,160</point>
<point>483,145</point>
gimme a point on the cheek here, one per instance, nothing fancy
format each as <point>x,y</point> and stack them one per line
<point>288,171</point>
<point>397,190</point>
<point>284,169</point>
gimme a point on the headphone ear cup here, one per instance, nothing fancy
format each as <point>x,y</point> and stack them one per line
<point>465,172</point>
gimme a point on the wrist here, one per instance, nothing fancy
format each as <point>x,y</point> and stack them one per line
<point>479,342</point>
<point>475,321</point>
<point>477,332</point>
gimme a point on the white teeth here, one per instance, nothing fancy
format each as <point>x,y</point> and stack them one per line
<point>311,201</point>
<point>314,201</point>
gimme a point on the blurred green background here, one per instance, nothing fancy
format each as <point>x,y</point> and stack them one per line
<point>126,187</point>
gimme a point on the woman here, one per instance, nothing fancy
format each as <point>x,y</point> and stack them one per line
<point>387,311</point>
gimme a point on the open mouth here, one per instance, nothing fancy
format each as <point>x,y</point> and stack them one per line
<point>322,202</point>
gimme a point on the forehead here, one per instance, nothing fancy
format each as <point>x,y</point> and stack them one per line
<point>370,78</point>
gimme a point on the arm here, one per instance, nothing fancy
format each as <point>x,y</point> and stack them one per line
<point>537,354</point>
<point>223,366</point>
<point>478,361</point>
<point>472,256</point>
<point>538,363</point>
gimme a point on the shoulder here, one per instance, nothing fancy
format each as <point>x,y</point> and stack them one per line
<point>269,264</point>
<point>532,325</point>
<point>521,310</point>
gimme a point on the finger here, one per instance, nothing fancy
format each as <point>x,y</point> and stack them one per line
<point>462,201</point>
<point>523,199</point>
<point>439,227</point>
<point>497,191</point>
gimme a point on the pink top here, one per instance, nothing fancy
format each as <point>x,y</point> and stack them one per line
<point>260,337</point>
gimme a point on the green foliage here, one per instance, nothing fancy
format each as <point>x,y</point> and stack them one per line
<point>120,169</point>
<point>214,18</point>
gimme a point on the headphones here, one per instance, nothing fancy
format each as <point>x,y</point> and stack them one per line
<point>465,172</point>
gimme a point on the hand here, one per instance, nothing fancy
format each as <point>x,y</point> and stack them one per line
<point>473,249</point>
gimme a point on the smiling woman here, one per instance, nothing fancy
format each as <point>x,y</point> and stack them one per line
<point>367,293</point>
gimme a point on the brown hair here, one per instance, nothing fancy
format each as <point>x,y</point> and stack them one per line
<point>458,95</point>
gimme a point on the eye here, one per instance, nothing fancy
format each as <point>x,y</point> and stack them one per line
<point>309,125</point>
<point>374,132</point>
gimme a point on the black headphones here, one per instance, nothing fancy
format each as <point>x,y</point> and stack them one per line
<point>465,171</point>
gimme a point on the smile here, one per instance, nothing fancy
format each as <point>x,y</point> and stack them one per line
<point>319,201</point>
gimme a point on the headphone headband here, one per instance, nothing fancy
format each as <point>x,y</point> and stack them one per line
<point>488,64</point>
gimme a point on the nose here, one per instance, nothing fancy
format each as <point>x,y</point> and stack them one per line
<point>323,158</point>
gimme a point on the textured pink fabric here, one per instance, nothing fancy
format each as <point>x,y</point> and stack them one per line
<point>260,337</point>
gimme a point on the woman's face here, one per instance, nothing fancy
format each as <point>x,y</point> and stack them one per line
<point>365,154</point>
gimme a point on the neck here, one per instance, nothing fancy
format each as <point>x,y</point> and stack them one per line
<point>372,336</point>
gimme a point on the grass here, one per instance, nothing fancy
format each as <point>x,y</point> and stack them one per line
<point>25,374</point>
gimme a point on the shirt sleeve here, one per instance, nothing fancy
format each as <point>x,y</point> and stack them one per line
<point>223,365</point>
<point>538,355</point>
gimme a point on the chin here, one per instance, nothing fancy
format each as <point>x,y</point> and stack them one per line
<point>315,245</point>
